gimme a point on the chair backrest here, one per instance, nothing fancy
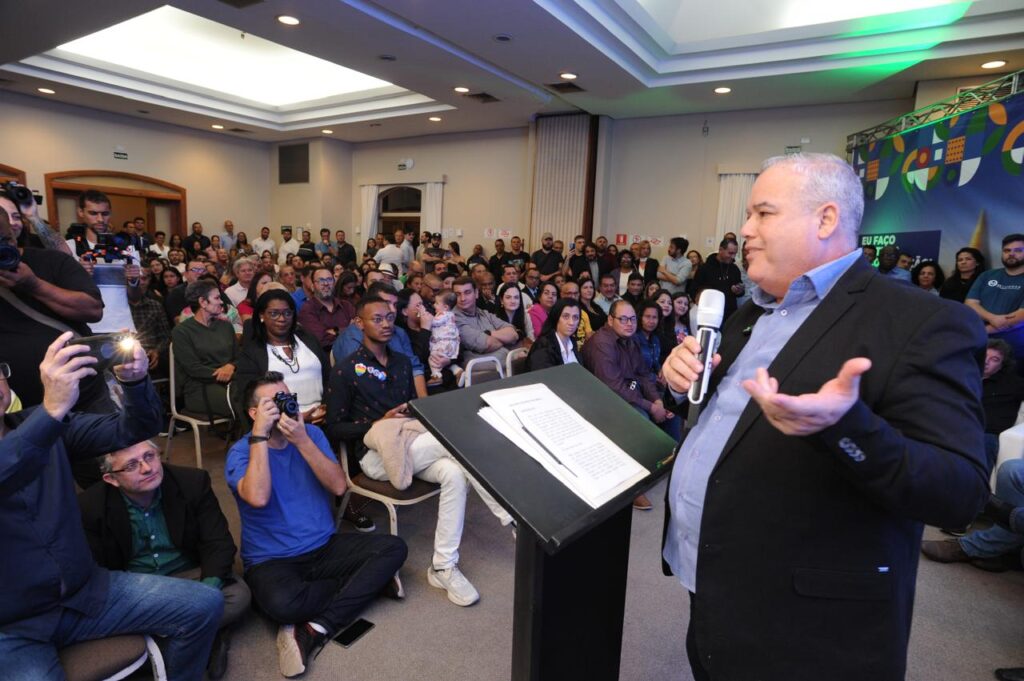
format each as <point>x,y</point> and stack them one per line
<point>173,381</point>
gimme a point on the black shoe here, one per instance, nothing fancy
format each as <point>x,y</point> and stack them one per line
<point>359,520</point>
<point>1010,674</point>
<point>218,663</point>
<point>956,531</point>
<point>999,511</point>
<point>296,647</point>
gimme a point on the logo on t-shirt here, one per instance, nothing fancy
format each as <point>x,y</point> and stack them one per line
<point>993,282</point>
<point>373,371</point>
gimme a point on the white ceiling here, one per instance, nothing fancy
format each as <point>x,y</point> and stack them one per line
<point>634,58</point>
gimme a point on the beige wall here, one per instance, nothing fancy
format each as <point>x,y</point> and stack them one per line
<point>660,175</point>
<point>224,177</point>
<point>487,185</point>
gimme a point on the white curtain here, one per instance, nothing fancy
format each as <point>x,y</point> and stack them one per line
<point>368,198</point>
<point>560,178</point>
<point>733,192</point>
<point>431,205</point>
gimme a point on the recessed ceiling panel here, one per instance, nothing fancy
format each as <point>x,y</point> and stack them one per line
<point>184,48</point>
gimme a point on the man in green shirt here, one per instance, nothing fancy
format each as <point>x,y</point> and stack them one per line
<point>164,520</point>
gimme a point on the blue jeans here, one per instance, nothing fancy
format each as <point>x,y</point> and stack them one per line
<point>185,613</point>
<point>673,427</point>
<point>995,541</point>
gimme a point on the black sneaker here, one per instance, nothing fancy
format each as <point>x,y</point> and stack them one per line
<point>359,520</point>
<point>218,663</point>
<point>296,646</point>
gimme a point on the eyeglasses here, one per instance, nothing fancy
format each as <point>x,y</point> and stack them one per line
<point>378,320</point>
<point>280,314</point>
<point>325,280</point>
<point>148,458</point>
<point>5,370</point>
<point>625,320</point>
<point>436,290</point>
<point>197,270</point>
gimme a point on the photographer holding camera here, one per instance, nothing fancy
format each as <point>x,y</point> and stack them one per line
<point>43,293</point>
<point>285,479</point>
<point>52,593</point>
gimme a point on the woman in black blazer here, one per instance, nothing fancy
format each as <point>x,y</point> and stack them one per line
<point>556,344</point>
<point>277,343</point>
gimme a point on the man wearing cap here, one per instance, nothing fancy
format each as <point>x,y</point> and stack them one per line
<point>434,253</point>
<point>548,261</point>
<point>289,246</point>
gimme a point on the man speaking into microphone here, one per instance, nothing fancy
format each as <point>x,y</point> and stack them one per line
<point>843,412</point>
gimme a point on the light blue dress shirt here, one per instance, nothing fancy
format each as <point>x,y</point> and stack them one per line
<point>704,444</point>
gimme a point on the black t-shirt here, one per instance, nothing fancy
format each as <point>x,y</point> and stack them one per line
<point>23,341</point>
<point>713,274</point>
<point>547,263</point>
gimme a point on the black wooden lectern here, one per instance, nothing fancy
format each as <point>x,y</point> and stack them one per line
<point>571,559</point>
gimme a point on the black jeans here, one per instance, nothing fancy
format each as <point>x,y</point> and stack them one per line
<point>330,585</point>
<point>700,672</point>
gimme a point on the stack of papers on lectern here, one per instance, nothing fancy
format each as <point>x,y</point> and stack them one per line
<point>563,442</point>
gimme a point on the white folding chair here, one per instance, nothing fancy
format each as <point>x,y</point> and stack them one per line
<point>192,418</point>
<point>515,356</point>
<point>480,364</point>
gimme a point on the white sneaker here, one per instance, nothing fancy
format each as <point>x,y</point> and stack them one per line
<point>289,657</point>
<point>460,591</point>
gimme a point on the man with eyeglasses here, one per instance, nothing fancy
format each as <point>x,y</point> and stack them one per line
<point>374,385</point>
<point>614,356</point>
<point>52,593</point>
<point>150,518</point>
<point>325,315</point>
<point>204,351</point>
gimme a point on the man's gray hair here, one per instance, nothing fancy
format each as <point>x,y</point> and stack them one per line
<point>827,178</point>
<point>107,460</point>
<point>241,261</point>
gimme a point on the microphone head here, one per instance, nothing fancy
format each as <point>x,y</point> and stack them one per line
<point>711,308</point>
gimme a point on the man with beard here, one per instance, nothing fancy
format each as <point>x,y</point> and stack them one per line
<point>325,315</point>
<point>998,296</point>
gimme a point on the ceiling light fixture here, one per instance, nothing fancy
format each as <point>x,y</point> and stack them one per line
<point>46,91</point>
<point>387,57</point>
<point>288,20</point>
<point>217,126</point>
<point>723,90</point>
<point>997,64</point>
<point>462,90</point>
<point>434,119</point>
<point>327,132</point>
<point>502,38</point>
<point>567,75</point>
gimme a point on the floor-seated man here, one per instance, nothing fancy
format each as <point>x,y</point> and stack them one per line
<point>375,383</point>
<point>312,581</point>
<point>157,519</point>
<point>52,593</point>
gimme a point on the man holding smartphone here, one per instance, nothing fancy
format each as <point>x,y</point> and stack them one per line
<point>310,579</point>
<point>52,593</point>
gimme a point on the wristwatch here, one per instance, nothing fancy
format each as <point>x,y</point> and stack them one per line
<point>253,439</point>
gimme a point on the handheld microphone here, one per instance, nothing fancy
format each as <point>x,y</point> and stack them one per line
<point>709,319</point>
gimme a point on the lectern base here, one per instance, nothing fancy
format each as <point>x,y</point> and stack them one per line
<point>569,606</point>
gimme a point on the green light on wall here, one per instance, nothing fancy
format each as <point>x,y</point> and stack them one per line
<point>911,20</point>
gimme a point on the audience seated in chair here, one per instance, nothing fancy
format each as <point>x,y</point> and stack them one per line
<point>556,344</point>
<point>205,351</point>
<point>306,577</point>
<point>368,398</point>
<point>45,545</point>
<point>151,518</point>
<point>481,332</point>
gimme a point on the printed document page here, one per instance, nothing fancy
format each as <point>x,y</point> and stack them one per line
<point>565,443</point>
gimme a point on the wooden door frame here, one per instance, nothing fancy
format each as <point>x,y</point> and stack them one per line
<point>10,171</point>
<point>54,182</point>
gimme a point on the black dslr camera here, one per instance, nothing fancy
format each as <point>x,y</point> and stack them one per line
<point>287,404</point>
<point>20,194</point>
<point>10,256</point>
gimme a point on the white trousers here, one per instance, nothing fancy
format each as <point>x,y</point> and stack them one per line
<point>433,463</point>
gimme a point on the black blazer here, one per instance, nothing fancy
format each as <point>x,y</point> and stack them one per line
<point>650,271</point>
<point>194,520</point>
<point>809,545</point>
<point>252,363</point>
<point>545,353</point>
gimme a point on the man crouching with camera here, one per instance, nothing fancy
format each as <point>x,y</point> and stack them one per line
<point>303,575</point>
<point>52,593</point>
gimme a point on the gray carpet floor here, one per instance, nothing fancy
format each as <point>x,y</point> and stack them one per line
<point>966,622</point>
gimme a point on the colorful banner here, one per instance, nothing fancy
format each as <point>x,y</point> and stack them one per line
<point>961,176</point>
